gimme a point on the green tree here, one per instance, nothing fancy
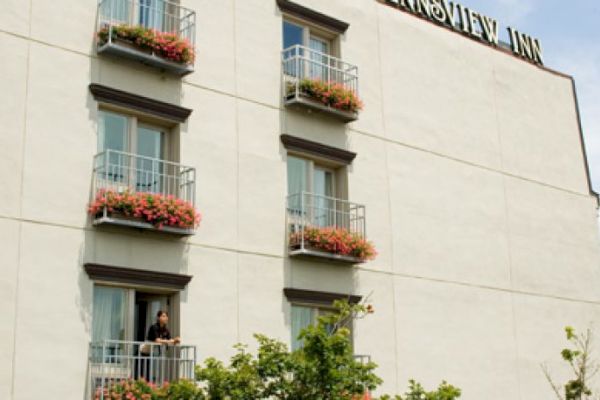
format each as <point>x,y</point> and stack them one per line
<point>582,365</point>
<point>324,368</point>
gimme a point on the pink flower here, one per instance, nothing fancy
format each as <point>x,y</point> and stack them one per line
<point>335,240</point>
<point>154,208</point>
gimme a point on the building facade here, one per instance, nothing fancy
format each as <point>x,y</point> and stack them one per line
<point>465,168</point>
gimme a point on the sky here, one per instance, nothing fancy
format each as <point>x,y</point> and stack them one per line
<point>570,35</point>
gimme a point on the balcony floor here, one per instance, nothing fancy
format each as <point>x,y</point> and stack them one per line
<point>108,220</point>
<point>313,254</point>
<point>307,103</point>
<point>129,52</point>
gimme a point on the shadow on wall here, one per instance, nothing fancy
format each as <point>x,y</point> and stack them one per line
<point>320,276</point>
<point>315,274</point>
<point>314,126</point>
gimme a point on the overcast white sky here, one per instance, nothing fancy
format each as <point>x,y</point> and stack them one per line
<point>570,35</point>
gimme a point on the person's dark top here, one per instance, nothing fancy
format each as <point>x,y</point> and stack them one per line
<point>158,332</point>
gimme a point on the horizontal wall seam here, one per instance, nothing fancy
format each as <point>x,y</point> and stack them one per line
<point>368,134</point>
<point>484,287</point>
<point>359,268</point>
<point>470,163</point>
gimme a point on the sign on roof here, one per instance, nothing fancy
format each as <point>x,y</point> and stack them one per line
<point>473,24</point>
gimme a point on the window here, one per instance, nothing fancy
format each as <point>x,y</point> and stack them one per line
<point>308,305</point>
<point>303,34</point>
<point>135,151</point>
<point>293,34</point>
<point>306,176</point>
<point>121,320</point>
<point>317,45</point>
<point>109,314</point>
<point>154,14</point>
<point>124,314</point>
<point>304,315</point>
<point>125,133</point>
<point>312,190</point>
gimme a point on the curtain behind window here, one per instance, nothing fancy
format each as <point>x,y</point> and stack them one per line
<point>150,171</point>
<point>301,318</point>
<point>297,170</point>
<point>152,14</point>
<point>318,59</point>
<point>109,311</point>
<point>323,207</point>
<point>116,11</point>
<point>112,135</point>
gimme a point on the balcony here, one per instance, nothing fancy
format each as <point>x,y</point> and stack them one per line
<point>327,228</point>
<point>113,361</point>
<point>160,34</point>
<point>320,82</point>
<point>145,193</point>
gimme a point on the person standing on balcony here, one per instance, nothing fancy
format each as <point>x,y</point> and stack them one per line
<point>159,333</point>
<point>153,363</point>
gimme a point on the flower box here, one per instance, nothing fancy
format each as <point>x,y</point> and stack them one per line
<point>331,97</point>
<point>160,49</point>
<point>333,243</point>
<point>144,211</point>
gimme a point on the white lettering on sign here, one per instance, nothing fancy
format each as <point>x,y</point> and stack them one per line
<point>473,24</point>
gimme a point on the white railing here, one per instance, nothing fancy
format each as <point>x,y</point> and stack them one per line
<point>301,62</point>
<point>308,210</point>
<point>119,171</point>
<point>162,15</point>
<point>112,361</point>
<point>362,358</point>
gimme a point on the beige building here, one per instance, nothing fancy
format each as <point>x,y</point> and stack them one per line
<point>465,169</point>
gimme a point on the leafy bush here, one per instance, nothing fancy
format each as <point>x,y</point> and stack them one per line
<point>324,368</point>
<point>129,389</point>
<point>125,389</point>
<point>416,392</point>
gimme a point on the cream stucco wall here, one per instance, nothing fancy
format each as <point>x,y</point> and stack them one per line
<point>469,162</point>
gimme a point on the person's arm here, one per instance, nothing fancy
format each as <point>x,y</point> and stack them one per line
<point>166,340</point>
<point>154,335</point>
<point>169,339</point>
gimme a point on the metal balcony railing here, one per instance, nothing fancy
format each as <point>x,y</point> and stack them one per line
<point>161,15</point>
<point>308,211</point>
<point>121,172</point>
<point>112,361</point>
<point>300,62</point>
<point>362,358</point>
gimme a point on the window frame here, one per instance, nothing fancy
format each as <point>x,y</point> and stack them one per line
<point>339,174</point>
<point>313,164</point>
<point>311,30</point>
<point>135,120</point>
<point>173,307</point>
<point>321,309</point>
